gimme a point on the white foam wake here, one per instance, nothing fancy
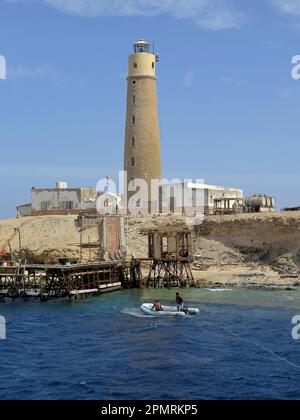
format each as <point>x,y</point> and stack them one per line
<point>136,313</point>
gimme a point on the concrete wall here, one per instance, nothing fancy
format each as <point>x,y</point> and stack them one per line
<point>55,199</point>
<point>62,200</point>
<point>56,212</point>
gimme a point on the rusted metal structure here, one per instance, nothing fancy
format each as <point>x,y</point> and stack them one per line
<point>226,205</point>
<point>67,281</point>
<point>170,253</point>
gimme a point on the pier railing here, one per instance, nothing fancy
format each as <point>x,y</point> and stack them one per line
<point>67,281</point>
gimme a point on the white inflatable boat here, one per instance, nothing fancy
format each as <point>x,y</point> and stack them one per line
<point>146,308</point>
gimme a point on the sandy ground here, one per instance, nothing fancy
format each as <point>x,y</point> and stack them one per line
<point>243,277</point>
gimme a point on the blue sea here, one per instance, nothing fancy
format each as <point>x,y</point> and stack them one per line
<point>239,347</point>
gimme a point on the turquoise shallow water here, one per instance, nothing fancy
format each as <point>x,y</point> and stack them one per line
<point>240,346</point>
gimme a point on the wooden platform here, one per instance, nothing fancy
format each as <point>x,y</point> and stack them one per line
<point>73,281</point>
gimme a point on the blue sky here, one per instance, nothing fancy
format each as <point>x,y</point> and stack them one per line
<point>229,108</point>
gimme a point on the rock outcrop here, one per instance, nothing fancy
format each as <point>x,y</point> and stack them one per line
<point>267,238</point>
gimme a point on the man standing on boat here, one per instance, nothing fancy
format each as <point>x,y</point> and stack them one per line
<point>179,302</point>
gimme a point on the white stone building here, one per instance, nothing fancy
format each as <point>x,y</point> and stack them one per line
<point>185,197</point>
<point>58,201</point>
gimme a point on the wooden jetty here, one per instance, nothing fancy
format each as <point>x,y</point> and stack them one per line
<point>67,281</point>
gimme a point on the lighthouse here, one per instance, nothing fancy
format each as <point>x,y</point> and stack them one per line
<point>142,138</point>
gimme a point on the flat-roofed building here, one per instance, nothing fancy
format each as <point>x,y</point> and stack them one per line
<point>60,200</point>
<point>186,197</point>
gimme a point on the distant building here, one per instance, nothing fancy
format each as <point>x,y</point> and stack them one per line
<point>202,194</point>
<point>24,210</point>
<point>58,201</point>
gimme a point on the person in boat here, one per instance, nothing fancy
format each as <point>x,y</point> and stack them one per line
<point>157,306</point>
<point>179,302</point>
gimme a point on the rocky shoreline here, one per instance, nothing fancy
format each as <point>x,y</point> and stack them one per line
<point>250,280</point>
<point>256,250</point>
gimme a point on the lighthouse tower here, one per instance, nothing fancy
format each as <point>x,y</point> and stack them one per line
<point>142,138</point>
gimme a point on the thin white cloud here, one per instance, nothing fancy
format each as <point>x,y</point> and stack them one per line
<point>272,44</point>
<point>207,14</point>
<point>40,72</point>
<point>288,6</point>
<point>2,67</point>
<point>189,79</point>
<point>229,80</point>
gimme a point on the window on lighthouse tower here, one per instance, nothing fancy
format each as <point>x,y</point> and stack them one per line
<point>133,119</point>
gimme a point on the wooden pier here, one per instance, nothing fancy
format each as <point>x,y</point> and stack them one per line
<point>46,282</point>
